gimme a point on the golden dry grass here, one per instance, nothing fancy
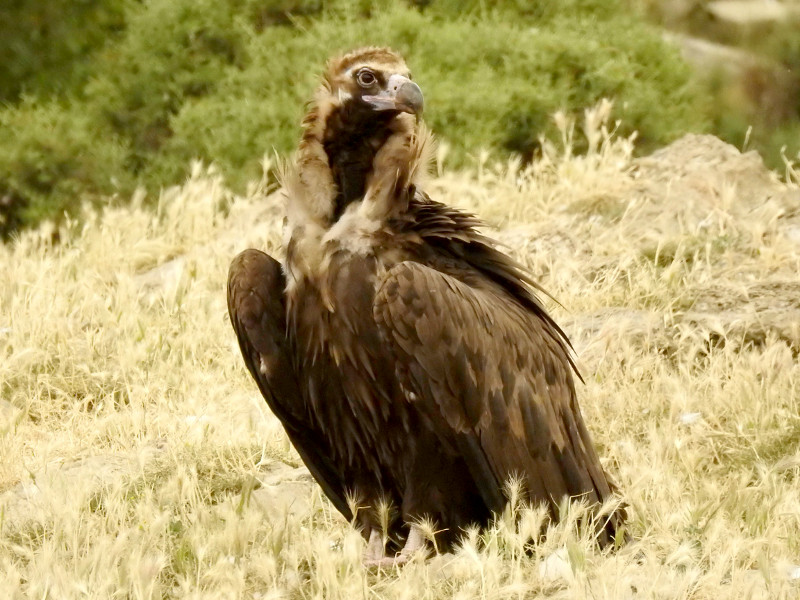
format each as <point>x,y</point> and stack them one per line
<point>137,459</point>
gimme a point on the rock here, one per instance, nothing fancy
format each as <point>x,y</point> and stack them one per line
<point>699,187</point>
<point>165,276</point>
<point>750,12</point>
<point>744,317</point>
<point>750,314</point>
<point>793,234</point>
<point>689,418</point>
<point>289,499</point>
<point>706,56</point>
<point>706,157</point>
<point>67,486</point>
<point>697,190</point>
<point>279,472</point>
<point>285,492</point>
<point>758,84</point>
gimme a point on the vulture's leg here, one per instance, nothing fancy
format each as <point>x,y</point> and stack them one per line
<point>374,550</point>
<point>415,542</point>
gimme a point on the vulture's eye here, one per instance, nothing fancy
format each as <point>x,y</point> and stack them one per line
<point>365,78</point>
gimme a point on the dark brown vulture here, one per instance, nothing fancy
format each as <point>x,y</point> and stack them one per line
<point>408,359</point>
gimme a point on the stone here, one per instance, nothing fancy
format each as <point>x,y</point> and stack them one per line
<point>67,485</point>
<point>750,12</point>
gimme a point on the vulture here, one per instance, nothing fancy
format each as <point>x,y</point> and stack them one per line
<point>409,360</point>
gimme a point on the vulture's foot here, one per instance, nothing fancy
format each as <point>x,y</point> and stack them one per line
<point>374,550</point>
<point>374,556</point>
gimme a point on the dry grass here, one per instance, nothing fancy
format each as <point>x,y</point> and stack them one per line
<point>137,460</point>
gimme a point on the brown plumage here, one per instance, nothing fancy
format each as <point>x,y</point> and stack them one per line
<point>408,359</point>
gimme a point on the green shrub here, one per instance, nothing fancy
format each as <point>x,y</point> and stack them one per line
<point>226,81</point>
<point>529,10</point>
<point>172,51</point>
<point>498,92</point>
<point>45,47</point>
<point>252,111</point>
<point>58,159</point>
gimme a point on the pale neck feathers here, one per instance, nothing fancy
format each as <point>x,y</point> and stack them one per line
<point>308,182</point>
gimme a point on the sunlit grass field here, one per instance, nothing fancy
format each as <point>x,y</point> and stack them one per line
<point>137,459</point>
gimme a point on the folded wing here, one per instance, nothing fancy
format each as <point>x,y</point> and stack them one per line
<point>495,378</point>
<point>257,312</point>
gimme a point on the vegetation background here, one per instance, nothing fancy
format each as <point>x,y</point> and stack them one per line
<point>100,97</point>
<point>137,459</point>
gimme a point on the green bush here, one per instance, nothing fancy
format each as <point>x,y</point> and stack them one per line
<point>44,46</point>
<point>52,158</point>
<point>226,81</point>
<point>498,91</point>
<point>530,10</point>
<point>172,51</point>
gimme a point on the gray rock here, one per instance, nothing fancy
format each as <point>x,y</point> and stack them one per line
<point>708,56</point>
<point>751,12</point>
<point>68,486</point>
<point>163,277</point>
<point>285,492</point>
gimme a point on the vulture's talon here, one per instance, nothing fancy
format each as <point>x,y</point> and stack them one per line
<point>375,548</point>
<point>415,544</point>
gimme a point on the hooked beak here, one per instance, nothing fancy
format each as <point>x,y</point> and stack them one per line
<point>400,94</point>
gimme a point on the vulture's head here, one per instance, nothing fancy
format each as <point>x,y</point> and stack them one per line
<point>362,137</point>
<point>372,84</point>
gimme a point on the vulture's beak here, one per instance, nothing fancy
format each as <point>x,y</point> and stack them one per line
<point>400,94</point>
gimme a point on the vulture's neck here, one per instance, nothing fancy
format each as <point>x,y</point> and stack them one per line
<point>351,140</point>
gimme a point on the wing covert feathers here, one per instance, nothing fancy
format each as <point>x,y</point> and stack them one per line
<point>494,375</point>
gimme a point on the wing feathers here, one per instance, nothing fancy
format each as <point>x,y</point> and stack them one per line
<point>255,306</point>
<point>496,374</point>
